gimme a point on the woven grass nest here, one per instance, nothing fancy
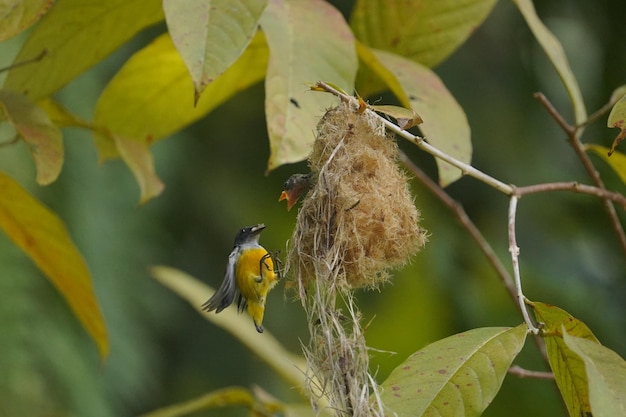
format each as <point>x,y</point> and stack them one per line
<point>358,221</point>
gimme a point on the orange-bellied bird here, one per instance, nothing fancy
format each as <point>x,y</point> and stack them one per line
<point>250,275</point>
<point>294,187</point>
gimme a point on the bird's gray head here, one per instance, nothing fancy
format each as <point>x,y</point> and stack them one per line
<point>249,234</point>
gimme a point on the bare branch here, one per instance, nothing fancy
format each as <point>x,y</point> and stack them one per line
<point>575,187</point>
<point>514,249</point>
<point>573,133</point>
<point>525,373</point>
<point>464,219</point>
<point>421,143</point>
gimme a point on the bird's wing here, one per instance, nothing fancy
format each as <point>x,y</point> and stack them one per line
<point>227,292</point>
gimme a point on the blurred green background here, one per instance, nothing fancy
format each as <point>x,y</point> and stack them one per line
<point>163,352</point>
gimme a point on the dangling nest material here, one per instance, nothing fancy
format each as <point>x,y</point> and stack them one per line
<point>356,223</point>
<point>360,209</point>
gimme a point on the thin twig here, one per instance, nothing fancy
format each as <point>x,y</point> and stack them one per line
<point>485,247</point>
<point>573,133</point>
<point>525,373</point>
<point>514,249</point>
<point>421,143</point>
<point>598,113</point>
<point>515,193</point>
<point>575,187</point>
<point>464,219</point>
<point>552,111</point>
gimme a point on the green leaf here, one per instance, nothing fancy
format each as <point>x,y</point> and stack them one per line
<point>445,125</point>
<point>553,318</point>
<point>309,41</point>
<point>568,368</point>
<point>44,238</point>
<point>225,397</point>
<point>616,160</point>
<point>457,376</point>
<point>617,118</point>
<point>154,86</point>
<point>285,363</point>
<point>422,31</point>
<point>77,34</point>
<point>606,376</point>
<point>553,49</point>
<point>405,118</point>
<point>43,138</point>
<point>18,15</point>
<point>259,404</point>
<point>211,35</point>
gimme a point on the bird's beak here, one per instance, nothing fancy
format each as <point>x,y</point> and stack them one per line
<point>290,201</point>
<point>258,228</point>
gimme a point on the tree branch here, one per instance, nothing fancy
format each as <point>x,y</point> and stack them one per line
<point>421,143</point>
<point>575,187</point>
<point>572,133</point>
<point>465,221</point>
<point>514,250</point>
<point>525,373</point>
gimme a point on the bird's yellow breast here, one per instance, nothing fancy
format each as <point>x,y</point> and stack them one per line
<point>255,277</point>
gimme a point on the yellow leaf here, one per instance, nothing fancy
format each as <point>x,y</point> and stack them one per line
<point>137,156</point>
<point>309,41</point>
<point>61,116</point>
<point>210,36</point>
<point>225,397</point>
<point>42,137</point>
<point>375,67</point>
<point>44,238</point>
<point>567,366</point>
<point>616,160</point>
<point>18,15</point>
<point>155,88</point>
<point>77,34</point>
<point>553,318</point>
<point>606,376</point>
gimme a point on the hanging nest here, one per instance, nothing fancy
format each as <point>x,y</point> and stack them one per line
<point>358,221</point>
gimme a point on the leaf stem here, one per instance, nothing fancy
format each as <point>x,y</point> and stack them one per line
<point>514,250</point>
<point>598,113</point>
<point>574,187</point>
<point>422,143</point>
<point>513,285</point>
<point>525,373</point>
